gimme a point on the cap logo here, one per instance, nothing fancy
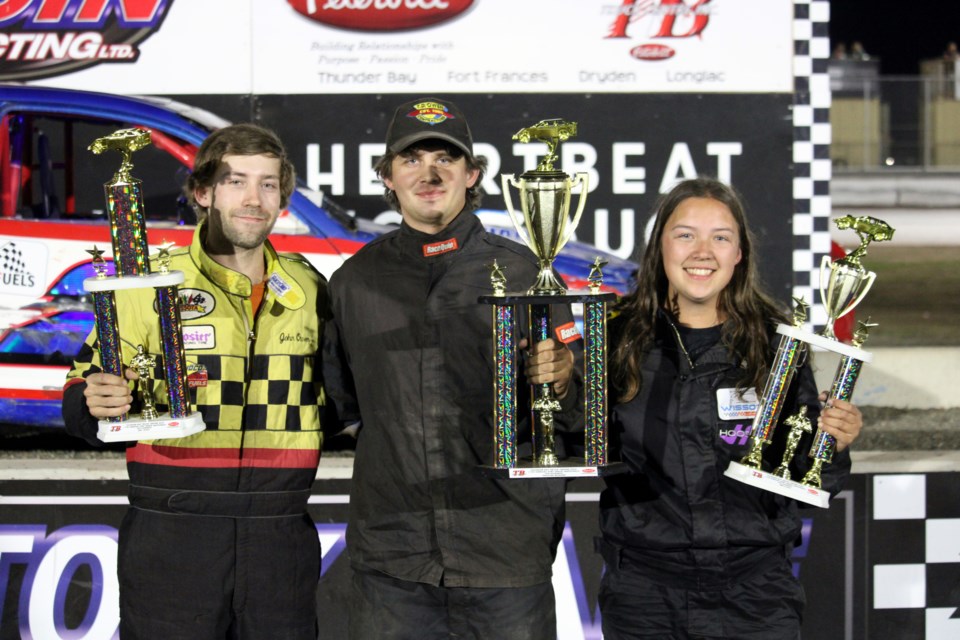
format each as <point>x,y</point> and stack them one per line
<point>430,113</point>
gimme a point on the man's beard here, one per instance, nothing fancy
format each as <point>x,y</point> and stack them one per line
<point>243,239</point>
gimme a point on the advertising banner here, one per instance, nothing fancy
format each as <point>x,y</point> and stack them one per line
<point>400,46</point>
<point>662,90</point>
<point>58,554</point>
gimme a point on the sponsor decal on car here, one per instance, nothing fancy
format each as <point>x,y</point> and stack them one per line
<point>22,265</point>
<point>44,38</point>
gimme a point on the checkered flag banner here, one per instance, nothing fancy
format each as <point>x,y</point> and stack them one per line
<point>11,259</point>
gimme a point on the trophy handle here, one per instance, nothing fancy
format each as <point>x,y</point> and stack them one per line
<point>582,178</point>
<point>825,267</point>
<point>506,179</point>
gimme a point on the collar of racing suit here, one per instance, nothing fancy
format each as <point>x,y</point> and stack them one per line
<point>446,243</point>
<point>288,292</point>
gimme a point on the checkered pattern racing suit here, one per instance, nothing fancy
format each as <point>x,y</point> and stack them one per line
<point>217,538</point>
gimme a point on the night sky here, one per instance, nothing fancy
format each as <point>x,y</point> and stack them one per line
<point>901,33</point>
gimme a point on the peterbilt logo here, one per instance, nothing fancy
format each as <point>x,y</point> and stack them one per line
<point>380,15</point>
<point>43,38</point>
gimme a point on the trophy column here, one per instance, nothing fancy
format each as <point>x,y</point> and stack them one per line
<point>505,386</point>
<point>128,234</point>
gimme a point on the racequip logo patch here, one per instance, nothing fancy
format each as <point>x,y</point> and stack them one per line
<point>567,333</point>
<point>436,248</point>
<point>44,38</point>
<point>380,15</point>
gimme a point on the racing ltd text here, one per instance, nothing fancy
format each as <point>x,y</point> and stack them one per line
<point>71,46</point>
<point>502,77</point>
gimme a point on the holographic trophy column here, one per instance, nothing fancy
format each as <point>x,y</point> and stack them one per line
<point>128,234</point>
<point>545,198</point>
<point>843,285</point>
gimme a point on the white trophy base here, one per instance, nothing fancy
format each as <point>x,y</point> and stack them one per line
<point>570,468</point>
<point>146,281</point>
<point>161,428</point>
<point>770,482</point>
<point>825,343</point>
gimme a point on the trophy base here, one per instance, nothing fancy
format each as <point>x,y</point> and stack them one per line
<point>159,429</point>
<point>770,482</point>
<point>568,468</point>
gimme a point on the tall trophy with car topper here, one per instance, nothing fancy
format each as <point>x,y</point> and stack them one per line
<point>843,285</point>
<point>544,224</point>
<point>128,233</point>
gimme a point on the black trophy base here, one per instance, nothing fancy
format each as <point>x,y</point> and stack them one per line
<point>568,468</point>
<point>770,482</point>
<point>163,427</point>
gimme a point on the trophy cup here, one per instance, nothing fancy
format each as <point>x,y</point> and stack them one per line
<point>132,266</point>
<point>545,199</point>
<point>843,285</point>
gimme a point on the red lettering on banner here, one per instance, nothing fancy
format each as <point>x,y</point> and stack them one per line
<point>12,8</point>
<point>700,19</point>
<point>53,13</point>
<point>131,10</point>
<point>632,10</point>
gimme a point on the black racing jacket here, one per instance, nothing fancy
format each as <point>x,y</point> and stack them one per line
<point>675,508</point>
<point>409,352</point>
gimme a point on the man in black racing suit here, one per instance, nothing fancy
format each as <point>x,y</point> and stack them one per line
<point>438,549</point>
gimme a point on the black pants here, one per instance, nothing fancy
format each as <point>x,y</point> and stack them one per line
<point>764,603</point>
<point>217,578</point>
<point>385,608</point>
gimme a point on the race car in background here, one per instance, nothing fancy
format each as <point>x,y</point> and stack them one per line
<point>48,221</point>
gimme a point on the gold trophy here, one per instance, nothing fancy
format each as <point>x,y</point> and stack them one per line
<point>545,227</point>
<point>131,261</point>
<point>843,285</point>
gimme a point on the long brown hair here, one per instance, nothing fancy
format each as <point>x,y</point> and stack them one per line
<point>746,308</point>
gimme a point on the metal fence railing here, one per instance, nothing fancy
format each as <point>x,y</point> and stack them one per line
<point>897,122</point>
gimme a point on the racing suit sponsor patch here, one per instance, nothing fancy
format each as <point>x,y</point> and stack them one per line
<point>567,333</point>
<point>436,248</point>
<point>196,375</point>
<point>201,336</point>
<point>732,406</point>
<point>282,289</point>
<point>195,303</point>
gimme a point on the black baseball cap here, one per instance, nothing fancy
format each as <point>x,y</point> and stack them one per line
<point>429,118</point>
